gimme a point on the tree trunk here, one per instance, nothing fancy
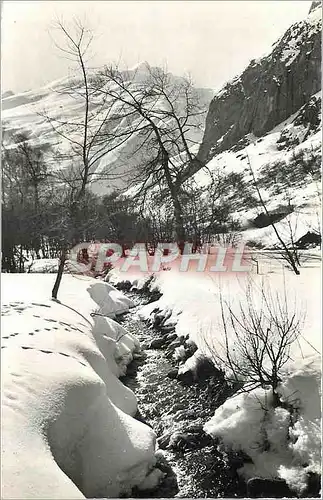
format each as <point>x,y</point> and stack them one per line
<point>21,260</point>
<point>59,274</point>
<point>178,213</point>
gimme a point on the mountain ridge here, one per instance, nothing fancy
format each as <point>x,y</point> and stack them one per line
<point>25,113</point>
<point>268,91</point>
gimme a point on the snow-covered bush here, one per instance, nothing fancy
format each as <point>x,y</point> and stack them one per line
<point>282,442</point>
<point>275,417</point>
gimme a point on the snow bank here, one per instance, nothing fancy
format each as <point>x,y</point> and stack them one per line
<point>67,425</point>
<point>192,300</point>
<point>283,442</point>
<point>87,295</point>
<point>110,301</point>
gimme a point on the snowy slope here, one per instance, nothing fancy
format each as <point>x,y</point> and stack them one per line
<point>23,113</point>
<point>67,425</point>
<point>269,118</point>
<point>286,164</point>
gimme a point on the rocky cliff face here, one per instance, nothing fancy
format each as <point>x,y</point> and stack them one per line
<point>269,90</point>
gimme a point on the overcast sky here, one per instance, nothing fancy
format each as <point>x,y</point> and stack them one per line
<point>213,40</point>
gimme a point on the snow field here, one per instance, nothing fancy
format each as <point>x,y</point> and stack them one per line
<point>67,421</point>
<point>192,300</point>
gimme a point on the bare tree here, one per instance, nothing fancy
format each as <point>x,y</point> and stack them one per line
<point>290,255</point>
<point>94,132</point>
<point>91,135</point>
<point>166,112</point>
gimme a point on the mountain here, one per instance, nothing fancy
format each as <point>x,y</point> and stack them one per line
<point>269,118</point>
<point>23,113</point>
<point>269,90</point>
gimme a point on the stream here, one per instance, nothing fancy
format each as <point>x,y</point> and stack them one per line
<point>193,464</point>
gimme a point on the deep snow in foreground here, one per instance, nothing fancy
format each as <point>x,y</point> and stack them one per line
<point>67,421</point>
<point>284,441</point>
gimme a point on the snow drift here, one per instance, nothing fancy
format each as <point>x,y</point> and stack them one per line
<point>67,421</point>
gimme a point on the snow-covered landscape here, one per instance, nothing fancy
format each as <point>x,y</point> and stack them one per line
<point>130,368</point>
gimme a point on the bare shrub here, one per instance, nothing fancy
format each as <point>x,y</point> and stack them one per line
<point>256,339</point>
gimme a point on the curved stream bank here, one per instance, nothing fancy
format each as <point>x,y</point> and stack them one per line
<point>194,465</point>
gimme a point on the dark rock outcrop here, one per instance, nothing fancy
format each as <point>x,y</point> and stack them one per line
<point>264,220</point>
<point>268,488</point>
<point>172,373</point>
<point>313,485</point>
<point>268,91</point>
<point>310,239</point>
<point>189,439</point>
<point>203,371</point>
<point>124,286</point>
<point>157,343</point>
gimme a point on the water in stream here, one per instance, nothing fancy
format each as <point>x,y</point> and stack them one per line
<point>177,413</point>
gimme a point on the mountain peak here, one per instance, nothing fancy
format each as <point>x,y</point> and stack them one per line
<point>141,66</point>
